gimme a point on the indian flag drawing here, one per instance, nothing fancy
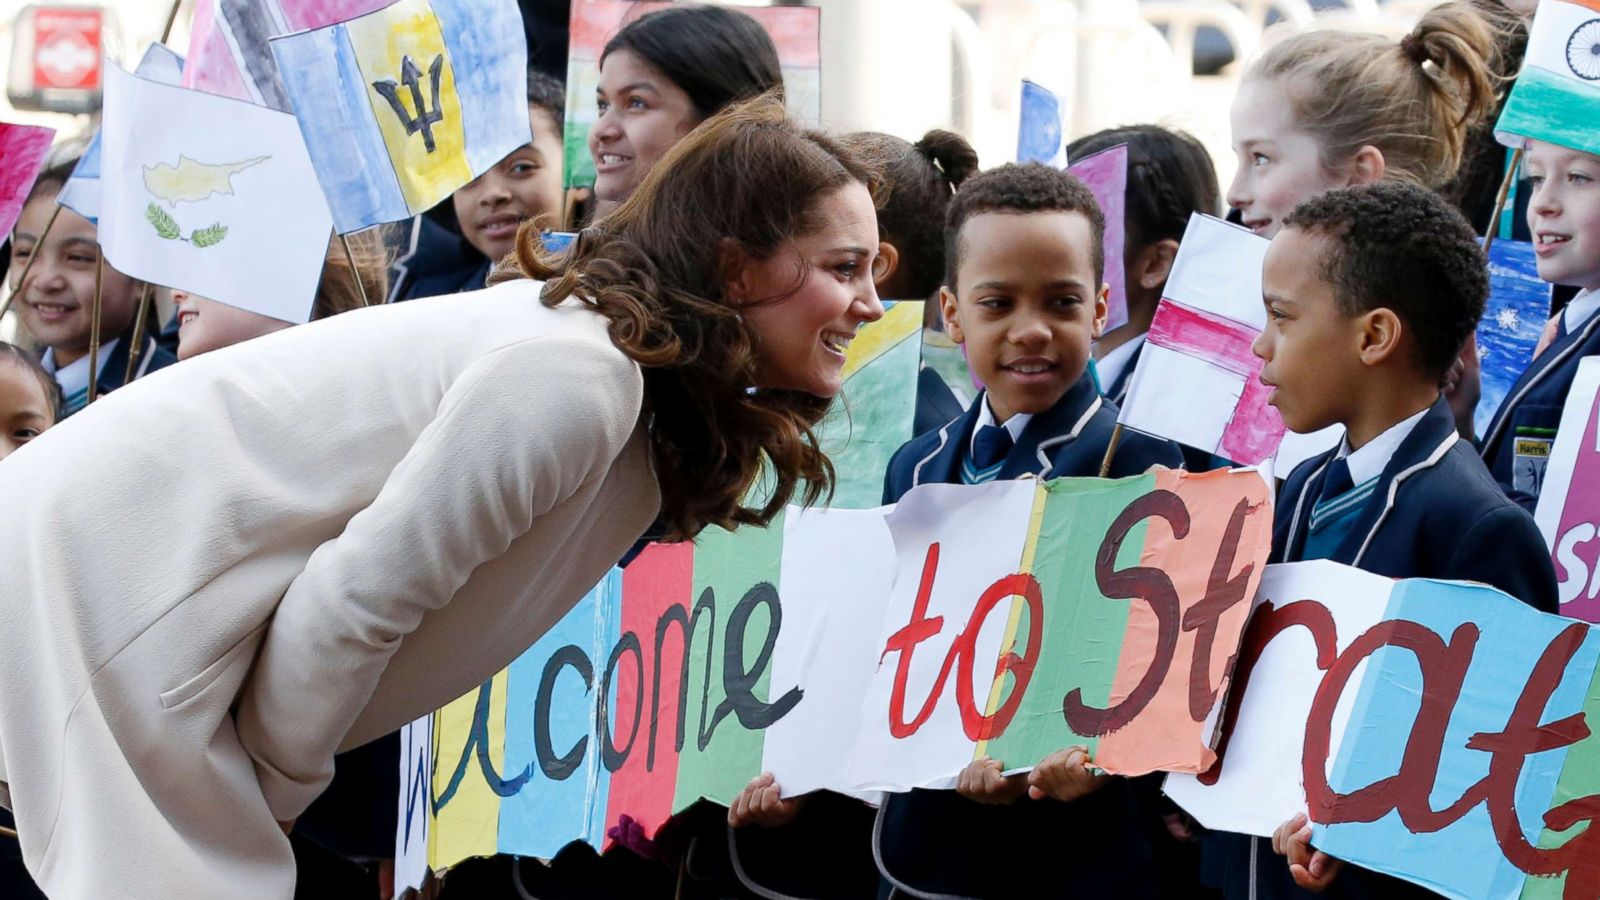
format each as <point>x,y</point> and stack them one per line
<point>1557,96</point>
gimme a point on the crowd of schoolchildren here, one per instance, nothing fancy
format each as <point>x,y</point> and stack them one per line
<point>1369,163</point>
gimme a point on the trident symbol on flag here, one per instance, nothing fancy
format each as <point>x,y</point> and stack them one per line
<point>411,76</point>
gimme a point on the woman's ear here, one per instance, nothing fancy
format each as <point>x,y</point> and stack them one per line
<point>1368,167</point>
<point>883,268</point>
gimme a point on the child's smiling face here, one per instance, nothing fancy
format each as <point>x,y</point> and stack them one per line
<point>1280,165</point>
<point>56,304</point>
<point>1026,306</point>
<point>1564,214</point>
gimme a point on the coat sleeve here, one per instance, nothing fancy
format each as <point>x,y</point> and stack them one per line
<point>1505,550</point>
<point>516,435</point>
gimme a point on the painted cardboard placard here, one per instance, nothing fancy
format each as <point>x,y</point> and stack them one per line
<point>795,32</point>
<point>189,205</point>
<point>1519,303</point>
<point>1569,504</point>
<point>22,152</point>
<point>1197,381</point>
<point>1106,175</point>
<point>403,105</point>
<point>699,666</point>
<point>1434,731</point>
<point>871,418</point>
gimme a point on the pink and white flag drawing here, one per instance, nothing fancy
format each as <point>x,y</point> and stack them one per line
<point>228,51</point>
<point>1197,381</point>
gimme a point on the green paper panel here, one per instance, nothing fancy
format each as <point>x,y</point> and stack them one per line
<point>730,565</point>
<point>1083,630</point>
<point>872,418</point>
<point>1580,777</point>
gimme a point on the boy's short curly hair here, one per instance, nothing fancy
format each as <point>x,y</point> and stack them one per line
<point>1022,188</point>
<point>1399,246</point>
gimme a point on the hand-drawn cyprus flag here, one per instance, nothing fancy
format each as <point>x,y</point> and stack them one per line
<point>210,195</point>
<point>402,106</point>
<point>1557,96</point>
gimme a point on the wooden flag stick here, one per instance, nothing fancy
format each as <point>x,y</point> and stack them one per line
<point>172,19</point>
<point>7,832</point>
<point>1500,201</point>
<point>94,325</point>
<point>1111,451</point>
<point>355,274</point>
<point>32,257</point>
<point>139,322</point>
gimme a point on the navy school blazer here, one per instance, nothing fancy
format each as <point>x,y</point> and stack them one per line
<point>1439,514</point>
<point>152,356</point>
<point>1069,438</point>
<point>1536,400</point>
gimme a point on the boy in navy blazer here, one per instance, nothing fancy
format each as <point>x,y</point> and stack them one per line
<point>1025,294</point>
<point>1564,219</point>
<point>1370,293</point>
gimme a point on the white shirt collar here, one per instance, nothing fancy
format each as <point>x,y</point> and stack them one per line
<point>1110,366</point>
<point>1580,309</point>
<point>1015,424</point>
<point>1368,462</point>
<point>74,378</point>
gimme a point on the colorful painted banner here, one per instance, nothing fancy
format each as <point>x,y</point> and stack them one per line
<point>1569,503</point>
<point>229,53</point>
<point>1039,129</point>
<point>1440,731</point>
<point>22,152</point>
<point>190,205</point>
<point>1008,620</point>
<point>1106,174</point>
<point>871,418</point>
<point>795,32</point>
<point>1519,303</point>
<point>1197,381</point>
<point>1557,95</point>
<point>402,106</point>
<point>81,193</point>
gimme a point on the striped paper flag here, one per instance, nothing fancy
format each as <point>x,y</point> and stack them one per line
<point>402,106</point>
<point>1557,96</point>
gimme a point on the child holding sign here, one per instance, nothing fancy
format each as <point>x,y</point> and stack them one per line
<point>1025,293</point>
<point>1370,294</point>
<point>1564,218</point>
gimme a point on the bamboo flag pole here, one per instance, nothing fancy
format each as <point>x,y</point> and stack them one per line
<point>139,323</point>
<point>94,324</point>
<point>32,257</point>
<point>1500,201</point>
<point>355,274</point>
<point>172,19</point>
<point>1111,451</point>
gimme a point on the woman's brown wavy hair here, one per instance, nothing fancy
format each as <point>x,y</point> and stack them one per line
<point>654,267</point>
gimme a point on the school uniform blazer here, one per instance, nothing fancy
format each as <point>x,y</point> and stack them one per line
<point>1436,513</point>
<point>1536,399</point>
<point>341,526</point>
<point>1069,438</point>
<point>1117,390</point>
<point>152,356</point>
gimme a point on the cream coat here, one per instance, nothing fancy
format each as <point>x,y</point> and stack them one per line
<point>327,531</point>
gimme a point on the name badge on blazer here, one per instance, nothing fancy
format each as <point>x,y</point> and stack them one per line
<point>1530,455</point>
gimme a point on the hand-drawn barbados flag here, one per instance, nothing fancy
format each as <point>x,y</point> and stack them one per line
<point>402,106</point>
<point>1557,96</point>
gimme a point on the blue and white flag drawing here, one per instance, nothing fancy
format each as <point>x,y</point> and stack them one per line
<point>1039,136</point>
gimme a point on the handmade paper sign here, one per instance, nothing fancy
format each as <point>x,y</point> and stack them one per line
<point>842,649</point>
<point>22,153</point>
<point>1519,303</point>
<point>1039,131</point>
<point>872,417</point>
<point>1106,175</point>
<point>1569,504</point>
<point>402,106</point>
<point>1197,381</point>
<point>1557,95</point>
<point>81,193</point>
<point>190,205</point>
<point>229,52</point>
<point>795,32</point>
<point>1465,762</point>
